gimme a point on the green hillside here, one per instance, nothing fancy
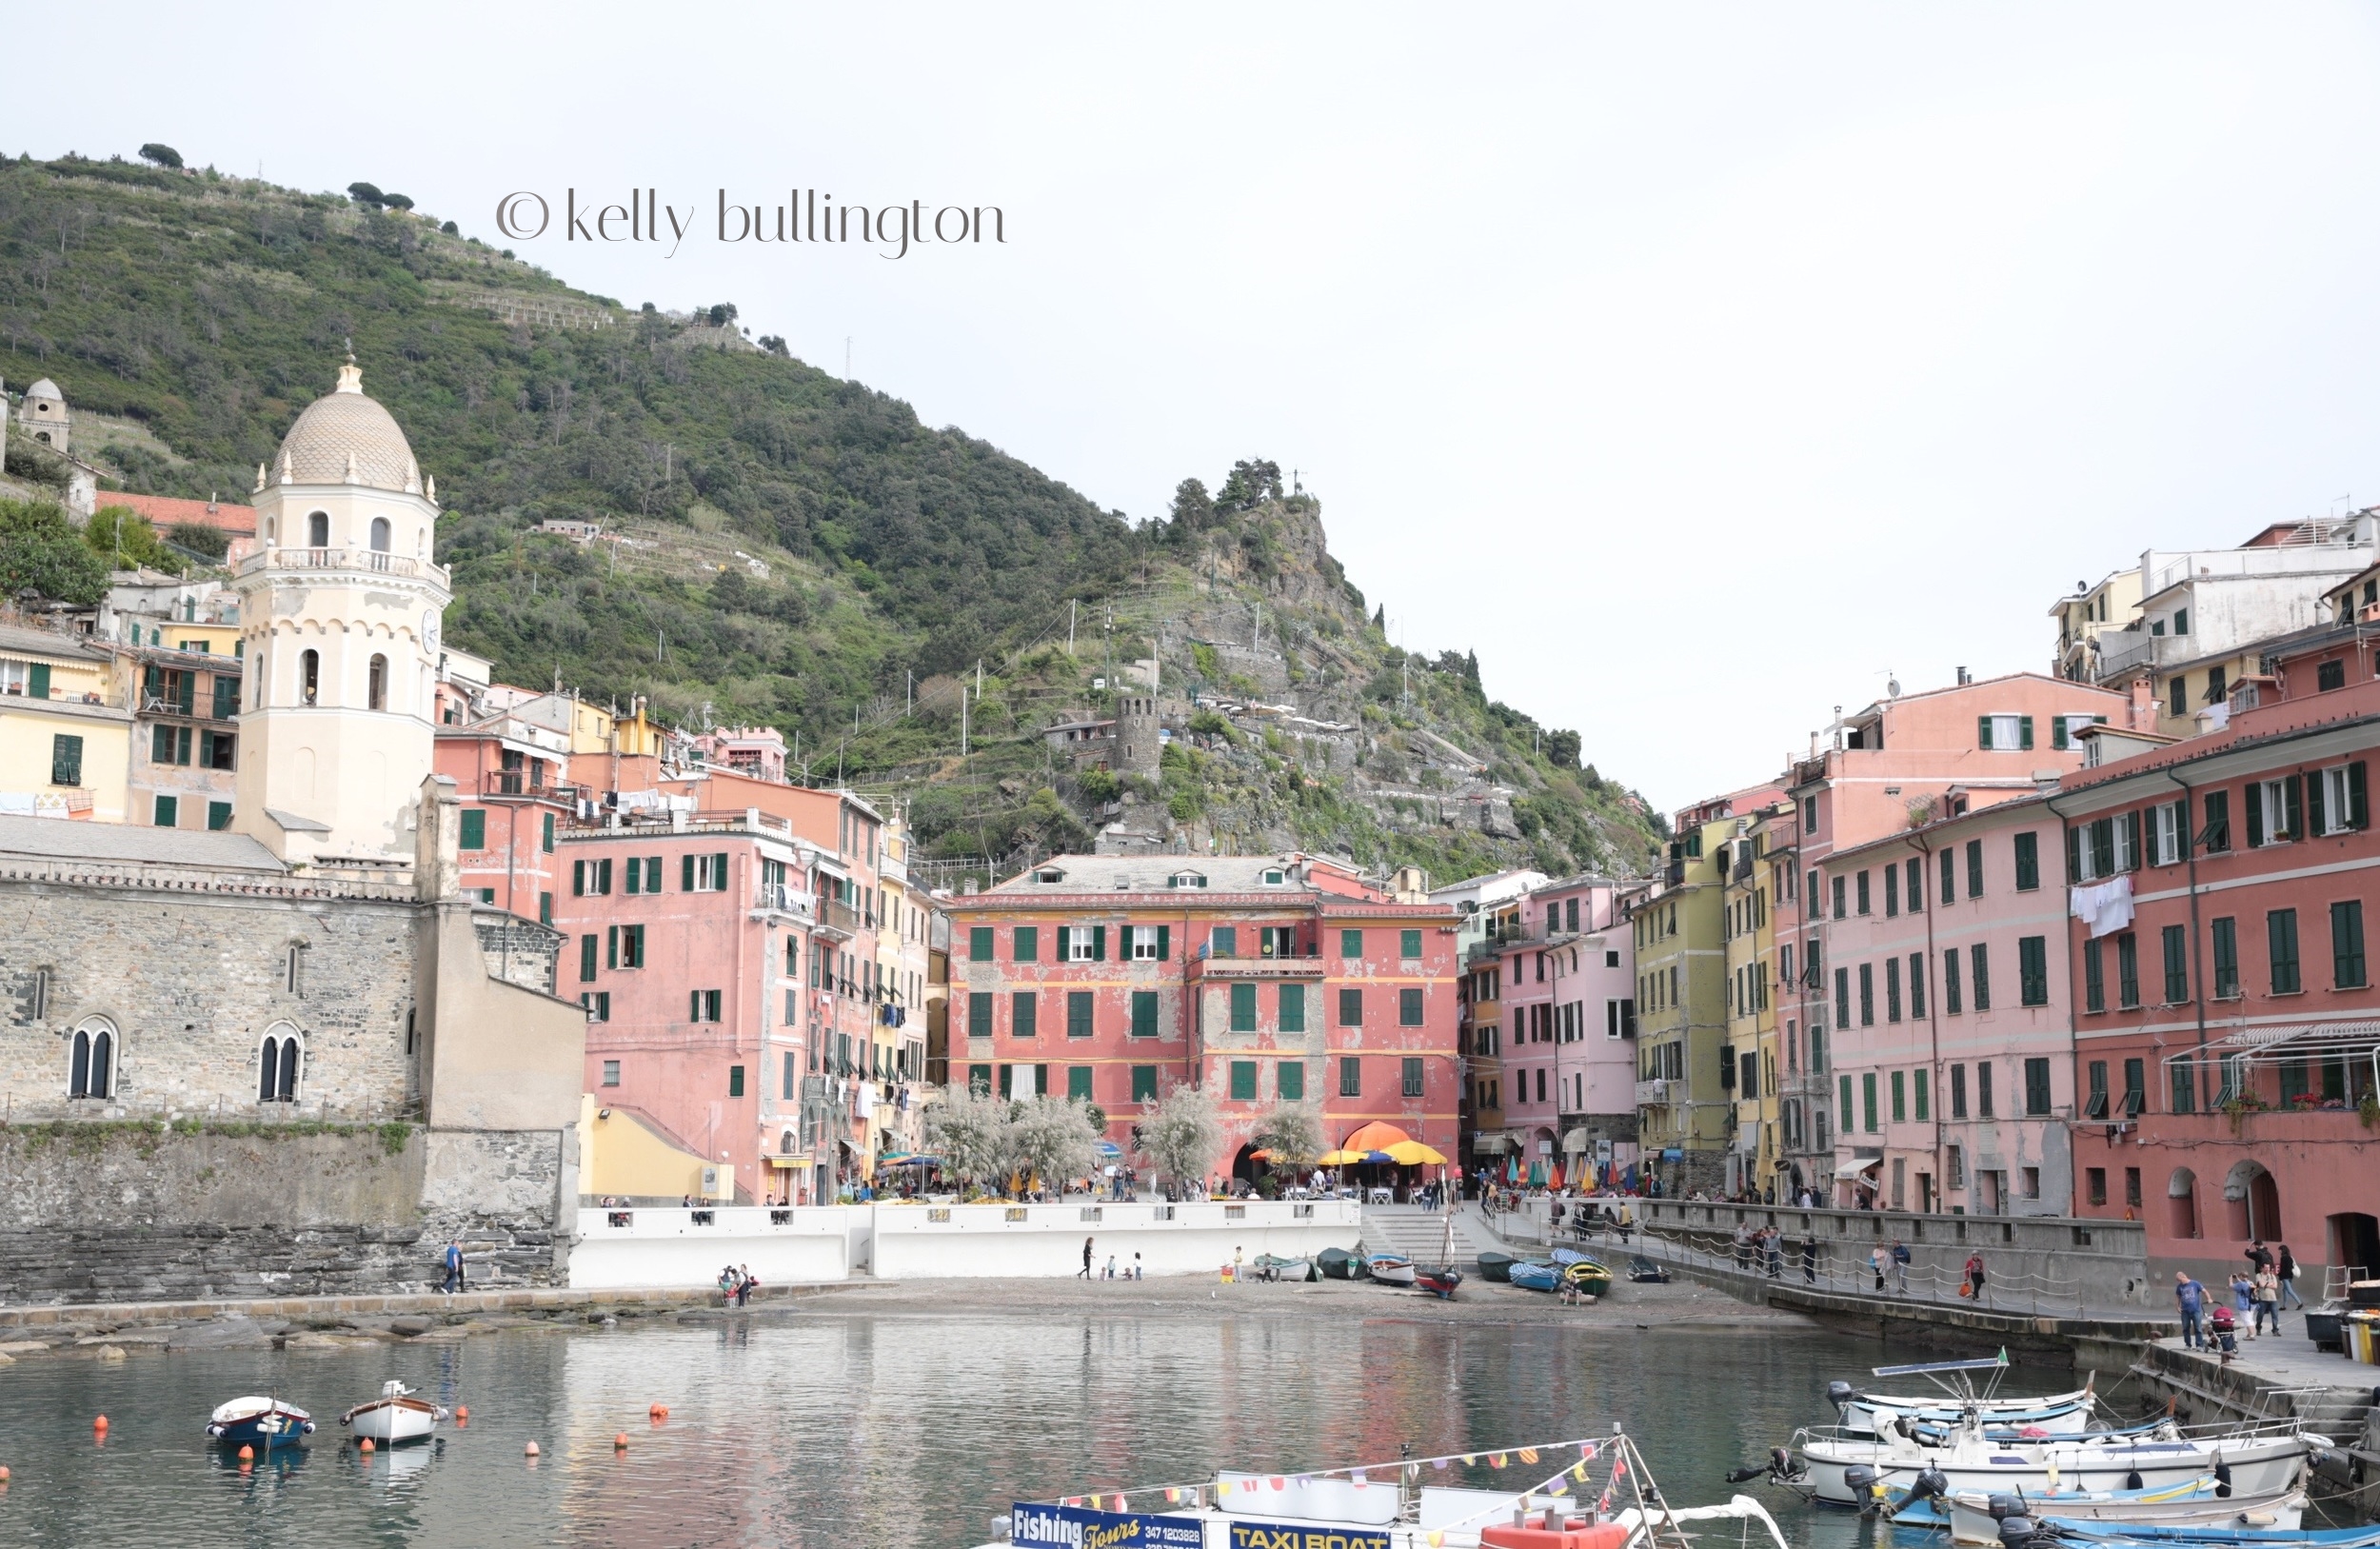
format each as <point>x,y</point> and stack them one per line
<point>802,552</point>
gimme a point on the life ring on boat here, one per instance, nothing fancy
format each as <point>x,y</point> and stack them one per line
<point>1579,1534</point>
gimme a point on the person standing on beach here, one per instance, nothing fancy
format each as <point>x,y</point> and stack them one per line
<point>1086,1259</point>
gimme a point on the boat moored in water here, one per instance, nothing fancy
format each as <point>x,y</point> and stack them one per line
<point>259,1421</point>
<point>1976,1518</point>
<point>1846,1471</point>
<point>1595,1493</point>
<point>395,1416</point>
<point>1875,1414</point>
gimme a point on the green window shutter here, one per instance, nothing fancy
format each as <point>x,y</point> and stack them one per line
<point>2024,731</point>
<point>1351,943</point>
<point>1408,1008</point>
<point>1845,1123</point>
<point>1099,943</point>
<point>2358,805</point>
<point>636,876</point>
<point>1144,1083</point>
<point>2132,837</point>
<point>1351,1007</point>
<point>1041,1081</point>
<point>2255,815</point>
<point>1144,1013</point>
<point>2073,855</point>
<point>719,871</point>
<point>578,878</point>
<point>2313,804</point>
<point>1243,1009</point>
<point>1293,1008</point>
<point>1925,1102</point>
<point>37,681</point>
<point>686,874</point>
<point>1290,1077</point>
<point>1409,945</point>
<point>587,958</point>
<point>168,810</point>
<point>474,829</point>
<point>2058,732</point>
<point>1080,1005</point>
<point>161,745</point>
<point>1868,1115</point>
<point>1243,1081</point>
<point>611,946</point>
<point>1164,944</point>
<point>735,1081</point>
<point>219,818</point>
<point>550,834</point>
<point>1007,1081</point>
<point>1350,1074</point>
<point>545,901</point>
<point>2293,806</point>
<point>979,1013</point>
<point>1026,946</point>
<point>979,943</point>
<point>1983,739</point>
<point>1024,1014</point>
<point>1900,1096</point>
<point>1078,1082</point>
<point>1065,944</point>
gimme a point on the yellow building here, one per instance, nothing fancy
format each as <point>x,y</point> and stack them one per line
<point>66,734</point>
<point>1758,864</point>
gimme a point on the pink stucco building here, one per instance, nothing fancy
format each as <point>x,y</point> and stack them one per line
<point>1566,978</point>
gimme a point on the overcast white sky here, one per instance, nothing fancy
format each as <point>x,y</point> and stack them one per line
<point>1696,365</point>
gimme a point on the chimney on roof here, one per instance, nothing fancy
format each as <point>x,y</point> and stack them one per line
<point>1963,678</point>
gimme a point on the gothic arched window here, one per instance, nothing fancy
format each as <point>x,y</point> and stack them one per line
<point>309,676</point>
<point>380,535</point>
<point>92,1072</point>
<point>277,1064</point>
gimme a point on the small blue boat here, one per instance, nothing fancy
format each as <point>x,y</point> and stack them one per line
<point>1534,1276</point>
<point>259,1422</point>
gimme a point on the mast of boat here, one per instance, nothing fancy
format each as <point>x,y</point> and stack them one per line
<point>1445,1208</point>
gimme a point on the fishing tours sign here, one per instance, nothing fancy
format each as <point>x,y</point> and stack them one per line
<point>1037,1525</point>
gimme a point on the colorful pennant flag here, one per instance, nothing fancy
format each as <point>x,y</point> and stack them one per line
<point>1528,1454</point>
<point>1496,1460</point>
<point>1172,1495</point>
<point>1438,1463</point>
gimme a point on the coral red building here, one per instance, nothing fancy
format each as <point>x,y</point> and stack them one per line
<point>2227,1031</point>
<point>1264,979</point>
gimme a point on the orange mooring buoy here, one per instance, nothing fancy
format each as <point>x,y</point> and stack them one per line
<point>99,1424</point>
<point>463,1411</point>
<point>365,1445</point>
<point>620,1442</point>
<point>4,1475</point>
<point>248,1454</point>
<point>529,1451</point>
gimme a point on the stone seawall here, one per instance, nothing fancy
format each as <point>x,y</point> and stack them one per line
<point>135,1212</point>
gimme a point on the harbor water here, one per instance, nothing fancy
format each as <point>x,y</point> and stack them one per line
<point>872,1431</point>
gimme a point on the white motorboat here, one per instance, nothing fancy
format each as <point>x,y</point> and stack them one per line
<point>395,1416</point>
<point>1845,1471</point>
<point>1595,1493</point>
<point>1391,1268</point>
<point>1876,1414</point>
<point>1976,1518</point>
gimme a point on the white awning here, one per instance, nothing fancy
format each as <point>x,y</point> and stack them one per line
<point>1859,1168</point>
<point>1577,1142</point>
<point>1488,1145</point>
<point>2282,1045</point>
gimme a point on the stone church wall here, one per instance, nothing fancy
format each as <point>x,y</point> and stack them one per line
<point>147,1212</point>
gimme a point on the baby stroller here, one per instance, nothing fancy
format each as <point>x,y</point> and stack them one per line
<point>2224,1327</point>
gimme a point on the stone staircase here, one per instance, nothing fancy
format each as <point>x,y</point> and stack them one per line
<point>1418,1234</point>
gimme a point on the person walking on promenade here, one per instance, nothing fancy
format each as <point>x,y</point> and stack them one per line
<point>1877,1258</point>
<point>454,1267</point>
<point>2288,1269</point>
<point>1901,1267</point>
<point>2267,1291</point>
<point>1776,1253</point>
<point>2192,1298</point>
<point>2244,1301</point>
<point>1086,1259</point>
<point>1810,1256</point>
<point>1975,1276</point>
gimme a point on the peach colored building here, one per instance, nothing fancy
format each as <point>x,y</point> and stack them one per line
<point>1897,764</point>
<point>1567,1051</point>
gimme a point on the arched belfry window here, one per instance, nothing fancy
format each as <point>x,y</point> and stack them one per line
<point>377,685</point>
<point>309,676</point>
<point>93,1065</point>
<point>380,535</point>
<point>277,1063</point>
<point>318,529</point>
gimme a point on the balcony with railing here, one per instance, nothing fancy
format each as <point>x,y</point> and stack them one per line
<point>1654,1093</point>
<point>364,560</point>
<point>521,783</point>
<point>782,898</point>
<point>838,918</point>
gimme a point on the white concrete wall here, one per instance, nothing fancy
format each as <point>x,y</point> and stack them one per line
<point>665,1247</point>
<point>949,1241</point>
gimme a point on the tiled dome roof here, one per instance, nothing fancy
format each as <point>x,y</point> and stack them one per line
<point>346,438</point>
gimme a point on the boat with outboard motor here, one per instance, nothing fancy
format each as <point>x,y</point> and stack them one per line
<point>1973,1516</point>
<point>1875,1414</point>
<point>1586,1493</point>
<point>1853,1471</point>
<point>2056,1533</point>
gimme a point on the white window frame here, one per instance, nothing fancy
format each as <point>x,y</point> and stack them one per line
<point>1144,943</point>
<point>1079,944</point>
<point>2125,859</point>
<point>16,676</point>
<point>2274,796</point>
<point>2165,834</point>
<point>2335,807</point>
<point>2008,732</point>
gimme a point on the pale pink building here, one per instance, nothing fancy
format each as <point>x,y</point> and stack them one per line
<point>1568,1029</point>
<point>1900,762</point>
<point>1951,1025</point>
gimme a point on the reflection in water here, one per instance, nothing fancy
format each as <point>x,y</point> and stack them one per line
<point>894,1432</point>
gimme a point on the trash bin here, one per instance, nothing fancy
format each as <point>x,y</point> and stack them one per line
<point>2358,1335</point>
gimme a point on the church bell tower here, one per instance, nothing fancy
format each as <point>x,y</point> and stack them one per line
<point>339,619</point>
